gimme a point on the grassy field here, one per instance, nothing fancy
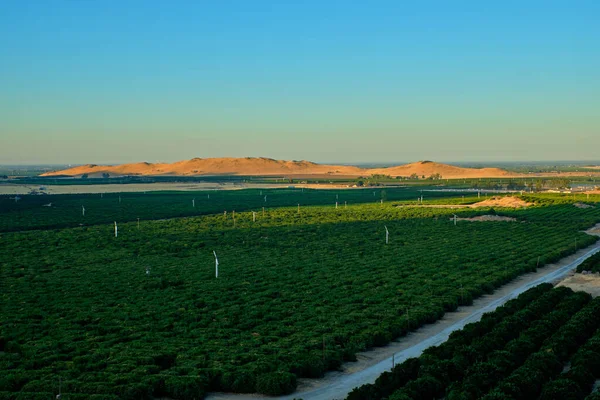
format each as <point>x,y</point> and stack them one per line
<point>518,352</point>
<point>142,315</point>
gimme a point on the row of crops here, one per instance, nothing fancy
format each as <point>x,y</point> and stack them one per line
<point>63,211</point>
<point>592,264</point>
<point>299,292</point>
<point>543,345</point>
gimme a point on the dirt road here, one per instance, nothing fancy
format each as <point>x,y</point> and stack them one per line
<point>336,385</point>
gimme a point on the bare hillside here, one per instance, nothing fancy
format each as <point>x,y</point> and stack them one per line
<point>428,168</point>
<point>268,166</point>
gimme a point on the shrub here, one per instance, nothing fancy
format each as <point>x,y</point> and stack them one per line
<point>276,383</point>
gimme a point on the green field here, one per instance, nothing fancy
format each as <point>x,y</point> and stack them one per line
<point>142,315</point>
<point>518,352</point>
<point>66,210</point>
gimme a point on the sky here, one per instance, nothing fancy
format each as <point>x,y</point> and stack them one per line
<point>328,81</point>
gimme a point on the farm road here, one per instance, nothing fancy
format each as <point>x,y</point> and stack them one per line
<point>336,385</point>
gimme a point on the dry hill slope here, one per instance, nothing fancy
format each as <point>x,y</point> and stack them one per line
<point>428,168</point>
<point>214,166</point>
<point>267,166</point>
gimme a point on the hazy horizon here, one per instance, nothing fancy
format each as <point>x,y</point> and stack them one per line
<point>375,162</point>
<point>89,82</point>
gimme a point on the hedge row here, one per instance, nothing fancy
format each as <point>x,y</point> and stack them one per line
<point>540,299</point>
<point>527,381</point>
<point>497,354</point>
<point>584,369</point>
<point>592,264</point>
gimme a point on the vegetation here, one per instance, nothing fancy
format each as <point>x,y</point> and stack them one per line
<point>299,292</point>
<point>516,352</point>
<point>592,264</point>
<point>66,210</point>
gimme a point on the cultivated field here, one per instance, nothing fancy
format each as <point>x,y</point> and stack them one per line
<point>299,291</point>
<point>59,211</point>
<point>543,345</point>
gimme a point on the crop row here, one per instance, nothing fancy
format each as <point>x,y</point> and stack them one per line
<point>521,357</point>
<point>592,264</point>
<point>61,211</point>
<point>142,314</point>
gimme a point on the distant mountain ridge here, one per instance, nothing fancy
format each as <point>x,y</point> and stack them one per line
<point>268,166</point>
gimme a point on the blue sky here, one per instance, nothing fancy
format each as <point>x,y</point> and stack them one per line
<point>121,81</point>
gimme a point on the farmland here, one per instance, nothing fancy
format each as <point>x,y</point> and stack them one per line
<point>66,210</point>
<point>299,292</point>
<point>592,264</point>
<point>519,351</point>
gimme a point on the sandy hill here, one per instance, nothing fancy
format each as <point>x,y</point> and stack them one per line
<point>214,166</point>
<point>268,166</point>
<point>429,168</point>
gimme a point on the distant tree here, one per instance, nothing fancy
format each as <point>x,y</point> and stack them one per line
<point>84,176</point>
<point>414,177</point>
<point>105,175</point>
<point>539,185</point>
<point>360,183</point>
<point>4,177</point>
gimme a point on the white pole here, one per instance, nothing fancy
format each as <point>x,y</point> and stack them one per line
<point>208,196</point>
<point>454,219</point>
<point>381,201</point>
<point>265,198</point>
<point>253,216</point>
<point>336,205</point>
<point>263,211</point>
<point>116,230</point>
<point>194,203</point>
<point>216,265</point>
<point>83,211</point>
<point>387,235</point>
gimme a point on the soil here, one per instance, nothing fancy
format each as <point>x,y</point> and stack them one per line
<point>508,201</point>
<point>582,282</point>
<point>583,205</point>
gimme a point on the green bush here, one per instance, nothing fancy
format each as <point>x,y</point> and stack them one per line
<point>276,383</point>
